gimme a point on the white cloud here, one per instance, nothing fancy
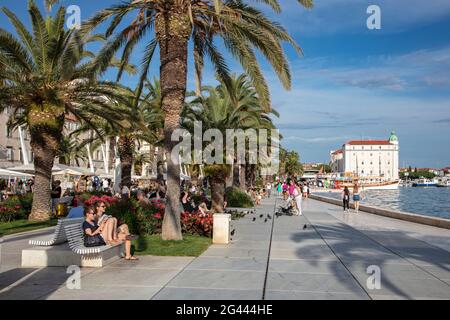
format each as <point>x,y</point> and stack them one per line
<point>336,16</point>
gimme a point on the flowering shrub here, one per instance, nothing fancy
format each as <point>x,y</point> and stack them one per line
<point>197,223</point>
<point>147,218</point>
<point>109,201</point>
<point>14,208</point>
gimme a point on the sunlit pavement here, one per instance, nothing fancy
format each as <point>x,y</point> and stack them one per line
<point>324,254</point>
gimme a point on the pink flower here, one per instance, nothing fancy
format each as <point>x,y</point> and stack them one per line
<point>158,216</point>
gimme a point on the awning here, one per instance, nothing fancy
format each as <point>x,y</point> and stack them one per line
<point>4,173</point>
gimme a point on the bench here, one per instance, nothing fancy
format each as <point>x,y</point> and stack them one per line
<point>71,253</point>
<point>59,236</point>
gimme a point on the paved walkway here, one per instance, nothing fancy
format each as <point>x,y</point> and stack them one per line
<point>274,259</point>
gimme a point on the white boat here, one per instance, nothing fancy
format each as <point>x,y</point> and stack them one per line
<point>422,182</point>
<point>443,183</point>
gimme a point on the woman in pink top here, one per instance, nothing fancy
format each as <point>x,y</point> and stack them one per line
<point>291,188</point>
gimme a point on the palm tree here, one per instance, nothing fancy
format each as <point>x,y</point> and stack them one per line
<point>222,109</point>
<point>243,29</point>
<point>71,148</point>
<point>46,75</point>
<point>141,122</point>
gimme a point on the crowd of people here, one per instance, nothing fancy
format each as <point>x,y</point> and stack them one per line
<point>14,187</point>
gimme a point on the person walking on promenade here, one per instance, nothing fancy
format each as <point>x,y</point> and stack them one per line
<point>356,197</point>
<point>279,188</point>
<point>269,189</point>
<point>297,196</point>
<point>346,199</point>
<point>305,190</point>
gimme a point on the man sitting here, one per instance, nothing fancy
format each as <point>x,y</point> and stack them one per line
<point>77,211</point>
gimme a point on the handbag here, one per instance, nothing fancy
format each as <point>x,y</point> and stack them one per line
<point>94,241</point>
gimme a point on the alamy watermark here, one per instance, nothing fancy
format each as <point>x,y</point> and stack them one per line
<point>73,20</point>
<point>249,146</point>
<point>374,280</point>
<point>74,281</point>
<point>374,20</point>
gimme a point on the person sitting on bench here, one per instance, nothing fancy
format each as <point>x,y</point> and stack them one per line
<point>92,229</point>
<point>112,233</point>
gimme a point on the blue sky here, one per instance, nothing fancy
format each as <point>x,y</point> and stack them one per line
<point>351,82</point>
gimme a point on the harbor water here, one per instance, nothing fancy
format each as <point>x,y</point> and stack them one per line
<point>432,201</point>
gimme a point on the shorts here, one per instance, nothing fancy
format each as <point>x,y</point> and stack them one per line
<point>356,197</point>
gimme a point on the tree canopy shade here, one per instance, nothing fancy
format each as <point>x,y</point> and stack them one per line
<point>45,75</point>
<point>171,24</point>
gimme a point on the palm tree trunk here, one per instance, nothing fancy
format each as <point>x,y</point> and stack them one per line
<point>126,152</point>
<point>173,30</point>
<point>112,154</point>
<point>236,176</point>
<point>217,193</point>
<point>46,134</point>
<point>242,176</point>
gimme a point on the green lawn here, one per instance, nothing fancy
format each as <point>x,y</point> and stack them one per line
<point>191,246</point>
<point>17,226</point>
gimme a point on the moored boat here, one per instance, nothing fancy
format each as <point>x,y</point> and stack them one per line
<point>424,183</point>
<point>443,183</point>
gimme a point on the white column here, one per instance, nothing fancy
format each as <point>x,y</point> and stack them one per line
<point>23,146</point>
<point>117,168</point>
<point>91,163</point>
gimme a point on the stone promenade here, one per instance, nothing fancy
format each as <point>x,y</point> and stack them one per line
<point>324,254</point>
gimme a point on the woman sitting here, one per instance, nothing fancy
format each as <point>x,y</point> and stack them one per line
<point>99,230</point>
<point>112,233</point>
<point>92,233</point>
<point>203,210</point>
<point>186,202</point>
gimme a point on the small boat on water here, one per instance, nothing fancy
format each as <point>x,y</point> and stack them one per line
<point>422,182</point>
<point>444,183</point>
<point>370,184</point>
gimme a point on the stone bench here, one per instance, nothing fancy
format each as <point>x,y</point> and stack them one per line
<point>71,253</point>
<point>59,236</point>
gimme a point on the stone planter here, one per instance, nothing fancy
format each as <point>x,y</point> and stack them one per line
<point>221,228</point>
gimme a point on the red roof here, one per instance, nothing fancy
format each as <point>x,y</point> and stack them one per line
<point>368,142</point>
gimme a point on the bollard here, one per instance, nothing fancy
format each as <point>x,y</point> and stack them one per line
<point>221,228</point>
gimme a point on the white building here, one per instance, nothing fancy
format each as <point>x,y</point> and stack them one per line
<point>368,158</point>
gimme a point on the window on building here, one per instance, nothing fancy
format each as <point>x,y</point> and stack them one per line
<point>8,131</point>
<point>389,162</point>
<point>20,155</point>
<point>362,163</point>
<point>371,162</point>
<point>31,156</point>
<point>9,154</point>
<point>380,147</point>
<point>362,147</point>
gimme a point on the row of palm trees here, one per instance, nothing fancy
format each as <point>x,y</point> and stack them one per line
<point>47,72</point>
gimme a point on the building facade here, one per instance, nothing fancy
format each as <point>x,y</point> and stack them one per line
<point>368,158</point>
<point>11,148</point>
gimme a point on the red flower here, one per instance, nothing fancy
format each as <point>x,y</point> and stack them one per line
<point>158,216</point>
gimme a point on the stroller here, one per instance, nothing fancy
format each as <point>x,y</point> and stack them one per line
<point>288,207</point>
